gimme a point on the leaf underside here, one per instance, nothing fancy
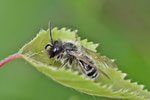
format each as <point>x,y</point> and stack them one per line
<point>117,87</point>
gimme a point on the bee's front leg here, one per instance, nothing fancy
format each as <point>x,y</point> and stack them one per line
<point>60,56</point>
<point>65,62</point>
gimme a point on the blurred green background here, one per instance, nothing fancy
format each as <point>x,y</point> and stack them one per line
<point>122,27</point>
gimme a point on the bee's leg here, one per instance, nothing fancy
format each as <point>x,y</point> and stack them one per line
<point>54,62</point>
<point>81,68</point>
<point>71,61</point>
<point>65,62</point>
<point>57,58</point>
<point>61,56</point>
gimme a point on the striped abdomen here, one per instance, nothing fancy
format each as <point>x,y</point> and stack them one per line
<point>88,70</point>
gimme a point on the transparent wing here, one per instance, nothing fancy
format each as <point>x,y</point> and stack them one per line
<point>102,61</point>
<point>87,62</point>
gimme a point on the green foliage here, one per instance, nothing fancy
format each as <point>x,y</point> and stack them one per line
<point>117,87</point>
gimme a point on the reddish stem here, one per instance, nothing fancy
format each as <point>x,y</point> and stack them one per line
<point>9,58</point>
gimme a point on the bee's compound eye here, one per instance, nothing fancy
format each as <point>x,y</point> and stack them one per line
<point>48,47</point>
<point>68,51</point>
<point>55,50</point>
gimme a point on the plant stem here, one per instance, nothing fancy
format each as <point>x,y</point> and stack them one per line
<point>9,58</point>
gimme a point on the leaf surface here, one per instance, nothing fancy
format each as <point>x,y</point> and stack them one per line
<point>117,87</point>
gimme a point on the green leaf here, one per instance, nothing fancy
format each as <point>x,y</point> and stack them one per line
<point>117,87</point>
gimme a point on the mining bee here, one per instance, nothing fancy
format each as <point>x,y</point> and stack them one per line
<point>69,52</point>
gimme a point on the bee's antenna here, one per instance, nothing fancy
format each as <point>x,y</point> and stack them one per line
<point>49,25</point>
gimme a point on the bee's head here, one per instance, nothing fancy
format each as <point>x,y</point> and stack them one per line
<point>55,49</point>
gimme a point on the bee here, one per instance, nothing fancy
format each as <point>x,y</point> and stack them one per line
<point>69,52</point>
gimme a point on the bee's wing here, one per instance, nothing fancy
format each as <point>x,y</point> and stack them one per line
<point>87,62</point>
<point>103,60</point>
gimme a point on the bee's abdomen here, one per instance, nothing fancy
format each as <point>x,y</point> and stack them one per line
<point>93,73</point>
<point>89,70</point>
